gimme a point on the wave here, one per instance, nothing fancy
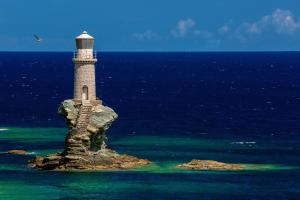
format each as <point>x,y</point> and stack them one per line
<point>4,129</point>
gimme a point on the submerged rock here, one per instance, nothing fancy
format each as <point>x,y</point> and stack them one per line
<point>85,143</point>
<point>17,152</point>
<point>209,165</point>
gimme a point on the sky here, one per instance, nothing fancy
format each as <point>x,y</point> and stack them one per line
<point>152,25</point>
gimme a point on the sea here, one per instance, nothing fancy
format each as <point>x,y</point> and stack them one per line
<point>234,107</point>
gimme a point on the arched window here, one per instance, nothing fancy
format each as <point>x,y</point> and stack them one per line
<point>85,93</point>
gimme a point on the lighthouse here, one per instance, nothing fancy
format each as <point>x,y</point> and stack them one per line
<point>84,70</point>
<point>87,120</point>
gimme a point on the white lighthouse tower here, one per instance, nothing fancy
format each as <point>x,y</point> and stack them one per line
<point>84,72</point>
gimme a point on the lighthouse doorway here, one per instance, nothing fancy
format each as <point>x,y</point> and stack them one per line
<point>85,93</point>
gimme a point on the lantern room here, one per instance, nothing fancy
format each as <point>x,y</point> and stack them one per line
<point>84,41</point>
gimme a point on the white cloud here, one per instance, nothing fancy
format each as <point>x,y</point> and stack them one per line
<point>284,21</point>
<point>248,28</point>
<point>186,28</point>
<point>183,27</point>
<point>280,21</point>
<point>224,29</point>
<point>147,35</point>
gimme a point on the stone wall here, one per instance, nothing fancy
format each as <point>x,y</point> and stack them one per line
<point>84,75</point>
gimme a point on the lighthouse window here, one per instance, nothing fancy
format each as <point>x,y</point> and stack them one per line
<point>84,44</point>
<point>90,44</point>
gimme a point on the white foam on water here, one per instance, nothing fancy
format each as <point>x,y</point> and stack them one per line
<point>4,129</point>
<point>203,133</point>
<point>242,142</point>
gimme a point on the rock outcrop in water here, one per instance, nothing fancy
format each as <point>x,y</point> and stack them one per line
<point>17,152</point>
<point>85,143</point>
<point>210,165</point>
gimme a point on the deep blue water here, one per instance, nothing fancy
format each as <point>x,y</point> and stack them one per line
<point>211,96</point>
<point>186,93</point>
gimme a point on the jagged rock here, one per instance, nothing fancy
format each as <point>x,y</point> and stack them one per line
<point>209,165</point>
<point>87,126</point>
<point>85,147</point>
<point>17,152</point>
<point>70,111</point>
<point>101,118</point>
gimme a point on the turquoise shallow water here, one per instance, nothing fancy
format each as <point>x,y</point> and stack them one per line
<point>267,176</point>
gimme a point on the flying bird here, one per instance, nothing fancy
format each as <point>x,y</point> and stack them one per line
<point>37,38</point>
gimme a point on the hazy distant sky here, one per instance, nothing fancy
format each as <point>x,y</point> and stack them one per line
<point>152,25</point>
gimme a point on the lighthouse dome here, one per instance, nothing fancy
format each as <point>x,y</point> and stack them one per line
<point>84,41</point>
<point>84,35</point>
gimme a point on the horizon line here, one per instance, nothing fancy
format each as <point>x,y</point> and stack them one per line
<point>251,51</point>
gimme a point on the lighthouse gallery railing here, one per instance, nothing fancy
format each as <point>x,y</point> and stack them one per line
<point>87,55</point>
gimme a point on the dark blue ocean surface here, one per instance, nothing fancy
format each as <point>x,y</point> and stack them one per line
<point>186,93</point>
<point>173,107</point>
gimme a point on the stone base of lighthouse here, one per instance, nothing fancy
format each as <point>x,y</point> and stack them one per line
<point>85,143</point>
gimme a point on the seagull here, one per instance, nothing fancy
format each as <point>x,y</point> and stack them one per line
<point>37,38</point>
